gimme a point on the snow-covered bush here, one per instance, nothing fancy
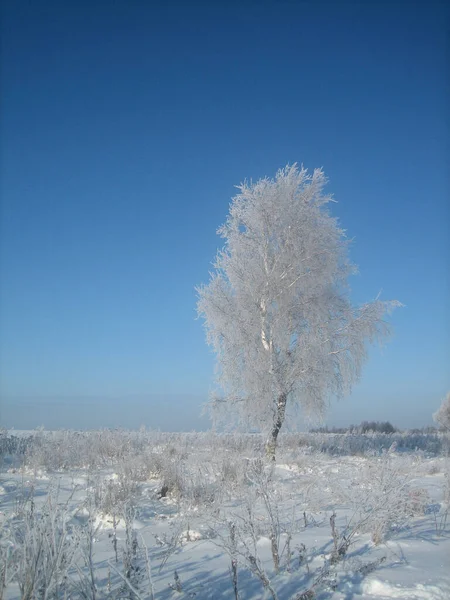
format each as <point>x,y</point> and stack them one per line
<point>112,494</point>
<point>382,497</point>
<point>42,549</point>
<point>442,415</point>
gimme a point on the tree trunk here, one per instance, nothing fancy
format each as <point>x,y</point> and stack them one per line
<point>271,444</point>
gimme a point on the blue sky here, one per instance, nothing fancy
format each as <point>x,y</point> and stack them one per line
<point>125,127</point>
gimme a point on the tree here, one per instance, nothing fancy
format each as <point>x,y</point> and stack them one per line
<point>277,310</point>
<point>442,415</point>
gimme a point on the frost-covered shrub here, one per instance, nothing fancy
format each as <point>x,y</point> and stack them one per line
<point>43,549</point>
<point>110,495</point>
<point>173,482</point>
<point>201,489</point>
<point>230,471</point>
<point>382,497</point>
<point>12,448</point>
<point>442,415</point>
<point>139,467</point>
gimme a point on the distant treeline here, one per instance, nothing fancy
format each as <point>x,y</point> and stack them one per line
<point>370,427</point>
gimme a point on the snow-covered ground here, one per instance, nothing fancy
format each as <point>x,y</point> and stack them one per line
<point>195,518</point>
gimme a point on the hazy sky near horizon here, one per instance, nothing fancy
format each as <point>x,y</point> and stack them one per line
<point>125,127</point>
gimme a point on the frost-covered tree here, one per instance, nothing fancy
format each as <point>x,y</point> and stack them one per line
<point>277,310</point>
<point>442,415</point>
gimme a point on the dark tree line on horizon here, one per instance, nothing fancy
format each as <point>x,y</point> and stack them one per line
<point>371,427</point>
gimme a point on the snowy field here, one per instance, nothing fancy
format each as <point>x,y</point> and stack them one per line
<point>114,514</point>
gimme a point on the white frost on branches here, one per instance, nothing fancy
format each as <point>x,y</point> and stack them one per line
<point>442,415</point>
<point>277,310</point>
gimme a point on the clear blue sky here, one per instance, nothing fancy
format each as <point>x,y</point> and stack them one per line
<point>124,128</point>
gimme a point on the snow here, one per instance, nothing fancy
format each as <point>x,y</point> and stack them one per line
<point>428,591</point>
<point>184,531</point>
